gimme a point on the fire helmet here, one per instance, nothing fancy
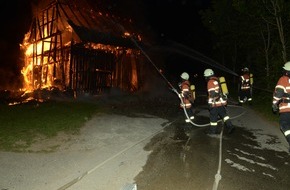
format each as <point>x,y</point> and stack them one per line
<point>184,76</point>
<point>246,69</point>
<point>287,66</point>
<point>208,72</point>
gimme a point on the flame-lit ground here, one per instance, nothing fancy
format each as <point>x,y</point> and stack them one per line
<point>15,97</point>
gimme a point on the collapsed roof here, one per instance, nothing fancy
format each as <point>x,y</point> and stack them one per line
<point>90,24</point>
<point>72,46</point>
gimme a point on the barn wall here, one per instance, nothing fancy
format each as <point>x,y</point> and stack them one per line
<point>57,61</point>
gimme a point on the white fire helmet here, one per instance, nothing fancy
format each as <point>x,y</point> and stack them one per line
<point>208,72</point>
<point>184,76</point>
<point>287,66</point>
<point>246,69</point>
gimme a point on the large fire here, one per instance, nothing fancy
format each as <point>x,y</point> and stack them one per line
<point>56,57</point>
<point>33,60</point>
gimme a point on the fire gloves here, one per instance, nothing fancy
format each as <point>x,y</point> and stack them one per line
<point>183,95</point>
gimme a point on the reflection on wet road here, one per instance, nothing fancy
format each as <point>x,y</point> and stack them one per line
<point>189,160</point>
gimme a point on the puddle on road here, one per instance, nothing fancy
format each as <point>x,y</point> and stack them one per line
<point>178,161</point>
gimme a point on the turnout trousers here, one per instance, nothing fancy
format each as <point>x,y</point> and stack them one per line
<point>216,113</point>
<point>284,121</point>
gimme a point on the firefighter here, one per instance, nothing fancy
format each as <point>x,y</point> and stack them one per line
<point>186,96</point>
<point>217,102</point>
<point>281,100</point>
<point>245,87</point>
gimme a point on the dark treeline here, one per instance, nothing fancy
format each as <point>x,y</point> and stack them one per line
<point>250,33</point>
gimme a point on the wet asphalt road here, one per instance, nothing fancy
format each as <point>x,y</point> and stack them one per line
<point>193,164</point>
<point>255,157</point>
<point>192,160</point>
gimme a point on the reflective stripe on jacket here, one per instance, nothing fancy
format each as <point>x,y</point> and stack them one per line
<point>214,93</point>
<point>185,87</point>
<point>281,94</point>
<point>245,81</point>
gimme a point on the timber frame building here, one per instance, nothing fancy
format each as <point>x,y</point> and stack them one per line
<point>71,46</point>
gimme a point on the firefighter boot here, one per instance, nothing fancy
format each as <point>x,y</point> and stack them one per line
<point>212,130</point>
<point>288,140</point>
<point>230,128</point>
<point>187,129</point>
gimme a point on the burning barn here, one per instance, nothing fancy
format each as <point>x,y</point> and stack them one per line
<point>72,46</point>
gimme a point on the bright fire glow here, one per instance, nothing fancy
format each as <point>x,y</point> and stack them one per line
<point>43,56</point>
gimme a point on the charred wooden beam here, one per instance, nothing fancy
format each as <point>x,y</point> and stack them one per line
<point>90,35</point>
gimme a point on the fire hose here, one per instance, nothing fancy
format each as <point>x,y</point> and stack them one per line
<point>172,87</point>
<point>218,176</point>
<point>169,84</point>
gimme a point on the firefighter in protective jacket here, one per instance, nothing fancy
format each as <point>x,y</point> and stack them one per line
<point>217,102</point>
<point>186,96</point>
<point>245,87</point>
<point>281,101</point>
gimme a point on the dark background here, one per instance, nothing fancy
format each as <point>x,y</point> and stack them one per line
<point>165,20</point>
<point>16,18</point>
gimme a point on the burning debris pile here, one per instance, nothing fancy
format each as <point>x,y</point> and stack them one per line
<point>73,47</point>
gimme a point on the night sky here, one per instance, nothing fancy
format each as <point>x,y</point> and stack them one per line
<point>16,19</point>
<point>174,20</point>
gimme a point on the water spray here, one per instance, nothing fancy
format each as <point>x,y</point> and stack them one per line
<point>212,63</point>
<point>157,69</point>
<point>182,49</point>
<point>171,86</point>
<point>189,52</point>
